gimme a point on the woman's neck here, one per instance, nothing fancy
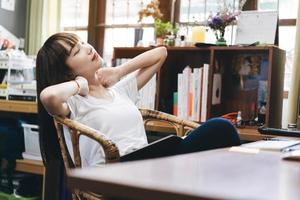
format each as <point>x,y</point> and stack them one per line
<point>99,91</point>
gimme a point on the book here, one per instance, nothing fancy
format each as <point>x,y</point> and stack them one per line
<point>204,94</point>
<point>147,95</point>
<point>175,103</point>
<point>180,96</point>
<point>196,96</point>
<point>186,76</point>
<point>163,147</point>
<point>272,145</point>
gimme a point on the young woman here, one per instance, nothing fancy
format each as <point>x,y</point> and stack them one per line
<point>73,83</point>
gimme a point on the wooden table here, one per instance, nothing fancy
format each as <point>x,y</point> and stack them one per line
<point>217,174</point>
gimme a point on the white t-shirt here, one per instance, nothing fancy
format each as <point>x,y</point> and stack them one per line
<point>119,120</point>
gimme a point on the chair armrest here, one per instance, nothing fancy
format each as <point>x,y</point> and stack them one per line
<point>178,123</point>
<point>110,149</point>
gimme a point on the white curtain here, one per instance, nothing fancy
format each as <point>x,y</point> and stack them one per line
<point>34,25</point>
<point>52,17</point>
<point>43,21</point>
<point>294,94</point>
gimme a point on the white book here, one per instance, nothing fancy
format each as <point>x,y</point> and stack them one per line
<point>179,97</point>
<point>204,92</point>
<point>196,84</point>
<point>186,96</point>
<point>190,96</point>
<point>147,95</point>
<point>192,91</point>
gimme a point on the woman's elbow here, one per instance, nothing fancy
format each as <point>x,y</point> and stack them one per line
<point>49,100</point>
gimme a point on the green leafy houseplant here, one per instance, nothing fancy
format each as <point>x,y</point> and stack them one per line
<point>162,28</point>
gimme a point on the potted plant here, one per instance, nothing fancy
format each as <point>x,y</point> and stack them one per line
<point>162,29</point>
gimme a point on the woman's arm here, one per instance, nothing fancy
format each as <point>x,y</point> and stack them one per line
<point>54,97</point>
<point>145,65</point>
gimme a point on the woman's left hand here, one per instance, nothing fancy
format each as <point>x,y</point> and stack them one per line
<point>107,76</point>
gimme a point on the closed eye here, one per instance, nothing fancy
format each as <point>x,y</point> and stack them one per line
<point>77,51</point>
<point>78,47</point>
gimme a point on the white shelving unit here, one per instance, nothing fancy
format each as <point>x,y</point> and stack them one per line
<point>17,76</point>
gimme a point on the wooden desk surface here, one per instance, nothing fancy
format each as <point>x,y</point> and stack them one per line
<point>217,174</point>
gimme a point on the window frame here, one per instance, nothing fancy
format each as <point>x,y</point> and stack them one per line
<point>77,28</point>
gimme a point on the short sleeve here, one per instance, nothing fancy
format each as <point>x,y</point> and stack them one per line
<point>128,87</point>
<point>71,102</point>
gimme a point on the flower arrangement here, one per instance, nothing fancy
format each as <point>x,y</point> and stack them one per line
<point>226,16</point>
<point>152,9</point>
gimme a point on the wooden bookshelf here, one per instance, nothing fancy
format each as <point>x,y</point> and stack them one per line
<point>221,60</point>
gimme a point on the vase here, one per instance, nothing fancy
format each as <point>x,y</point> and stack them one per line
<point>220,40</point>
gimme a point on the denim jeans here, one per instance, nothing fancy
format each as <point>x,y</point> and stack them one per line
<point>214,133</point>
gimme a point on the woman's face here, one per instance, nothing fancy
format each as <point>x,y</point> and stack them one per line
<point>83,59</point>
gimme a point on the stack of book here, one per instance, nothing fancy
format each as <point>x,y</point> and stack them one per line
<point>190,100</point>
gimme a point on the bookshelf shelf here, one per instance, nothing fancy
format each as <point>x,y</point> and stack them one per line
<point>30,166</point>
<point>18,106</point>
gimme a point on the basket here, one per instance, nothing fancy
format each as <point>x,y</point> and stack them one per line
<point>31,139</point>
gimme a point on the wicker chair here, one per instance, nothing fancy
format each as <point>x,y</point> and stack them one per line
<point>111,151</point>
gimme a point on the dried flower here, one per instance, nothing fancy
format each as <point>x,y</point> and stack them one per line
<point>152,9</point>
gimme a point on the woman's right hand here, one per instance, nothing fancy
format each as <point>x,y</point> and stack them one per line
<point>108,76</point>
<point>83,85</point>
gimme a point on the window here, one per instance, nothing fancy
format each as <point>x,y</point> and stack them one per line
<point>121,20</point>
<point>74,17</point>
<point>287,30</point>
<point>193,12</point>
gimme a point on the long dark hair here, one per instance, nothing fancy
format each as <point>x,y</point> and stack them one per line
<point>51,69</point>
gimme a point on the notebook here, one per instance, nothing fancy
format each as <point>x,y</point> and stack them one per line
<point>272,145</point>
<point>166,146</point>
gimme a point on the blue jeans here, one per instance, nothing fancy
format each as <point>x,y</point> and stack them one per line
<point>214,133</point>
